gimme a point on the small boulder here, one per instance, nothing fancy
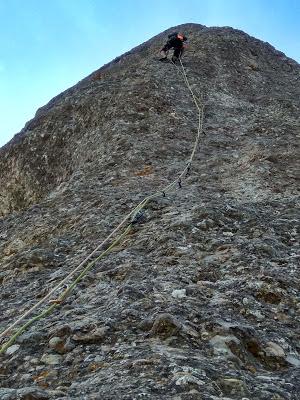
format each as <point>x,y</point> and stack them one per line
<point>165,325</point>
<point>95,336</point>
<point>179,293</point>
<point>60,345</point>
<point>32,393</point>
<point>232,386</point>
<point>12,349</point>
<point>51,359</point>
<point>274,350</point>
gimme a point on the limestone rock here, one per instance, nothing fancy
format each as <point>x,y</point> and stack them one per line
<point>274,350</point>
<point>179,293</point>
<point>60,345</point>
<point>12,349</point>
<point>234,387</point>
<point>51,359</point>
<point>96,335</point>
<point>165,325</point>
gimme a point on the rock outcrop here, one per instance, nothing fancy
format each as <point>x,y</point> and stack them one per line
<point>201,300</point>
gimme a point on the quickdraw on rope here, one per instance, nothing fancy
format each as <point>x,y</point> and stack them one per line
<point>188,171</point>
<point>136,216</point>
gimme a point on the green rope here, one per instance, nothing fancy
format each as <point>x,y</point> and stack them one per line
<point>58,302</point>
<point>23,328</point>
<point>133,213</point>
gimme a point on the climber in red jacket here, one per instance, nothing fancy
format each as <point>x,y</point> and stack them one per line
<point>175,41</point>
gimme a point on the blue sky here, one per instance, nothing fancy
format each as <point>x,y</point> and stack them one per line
<point>47,46</point>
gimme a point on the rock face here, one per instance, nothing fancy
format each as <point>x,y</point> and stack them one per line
<point>201,300</point>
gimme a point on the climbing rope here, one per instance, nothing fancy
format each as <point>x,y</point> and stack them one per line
<point>135,216</point>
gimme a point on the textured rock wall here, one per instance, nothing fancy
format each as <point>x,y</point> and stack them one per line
<point>201,300</point>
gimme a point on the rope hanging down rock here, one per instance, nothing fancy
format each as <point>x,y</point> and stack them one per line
<point>135,215</point>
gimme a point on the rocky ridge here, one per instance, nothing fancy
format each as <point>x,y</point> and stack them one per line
<point>201,300</point>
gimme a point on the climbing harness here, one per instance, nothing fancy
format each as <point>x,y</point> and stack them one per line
<point>135,216</point>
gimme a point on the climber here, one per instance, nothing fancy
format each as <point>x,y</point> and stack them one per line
<point>175,41</point>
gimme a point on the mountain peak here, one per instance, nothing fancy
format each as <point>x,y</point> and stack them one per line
<point>199,299</point>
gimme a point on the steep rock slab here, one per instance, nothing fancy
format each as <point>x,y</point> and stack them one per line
<point>201,300</point>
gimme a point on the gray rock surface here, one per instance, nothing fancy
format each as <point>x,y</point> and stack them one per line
<point>201,300</point>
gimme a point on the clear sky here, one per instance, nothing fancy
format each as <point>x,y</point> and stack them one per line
<point>47,46</point>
